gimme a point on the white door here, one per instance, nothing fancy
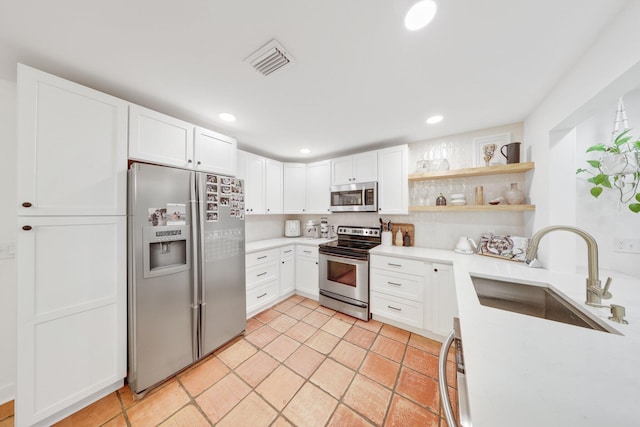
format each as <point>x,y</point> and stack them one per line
<point>294,188</point>
<point>307,276</point>
<point>393,184</point>
<point>157,138</point>
<point>214,152</point>
<point>365,166</point>
<point>318,196</point>
<point>72,148</point>
<point>273,186</point>
<point>71,309</point>
<point>342,171</point>
<point>254,185</point>
<point>287,275</point>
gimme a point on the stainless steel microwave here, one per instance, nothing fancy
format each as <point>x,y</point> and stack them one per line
<point>360,197</point>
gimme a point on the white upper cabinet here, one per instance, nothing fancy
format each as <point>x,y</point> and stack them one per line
<point>273,186</point>
<point>361,167</point>
<point>157,138</point>
<point>393,184</point>
<point>318,196</point>
<point>72,148</point>
<point>294,188</point>
<point>214,152</point>
<point>254,184</point>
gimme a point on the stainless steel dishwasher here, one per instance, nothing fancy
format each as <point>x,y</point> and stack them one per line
<point>455,337</point>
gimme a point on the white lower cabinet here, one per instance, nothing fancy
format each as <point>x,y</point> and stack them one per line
<point>307,271</point>
<point>397,289</point>
<point>287,270</point>
<point>445,305</point>
<point>262,279</point>
<point>71,314</point>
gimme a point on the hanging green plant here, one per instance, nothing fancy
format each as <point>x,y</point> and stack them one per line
<point>617,169</point>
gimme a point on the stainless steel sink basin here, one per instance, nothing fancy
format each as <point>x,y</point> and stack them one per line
<point>535,300</point>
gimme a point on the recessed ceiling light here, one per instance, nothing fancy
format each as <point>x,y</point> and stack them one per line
<point>227,117</point>
<point>434,119</point>
<point>305,151</point>
<point>420,14</point>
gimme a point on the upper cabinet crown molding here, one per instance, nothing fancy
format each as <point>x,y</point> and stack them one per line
<point>158,138</point>
<point>72,148</point>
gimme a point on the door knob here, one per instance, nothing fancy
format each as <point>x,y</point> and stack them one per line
<point>26,227</point>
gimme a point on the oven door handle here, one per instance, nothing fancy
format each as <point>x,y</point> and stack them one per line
<point>442,380</point>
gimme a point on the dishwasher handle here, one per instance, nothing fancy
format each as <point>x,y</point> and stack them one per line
<point>442,380</point>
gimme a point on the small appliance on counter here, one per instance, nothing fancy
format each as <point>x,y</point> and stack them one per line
<point>311,229</point>
<point>292,228</point>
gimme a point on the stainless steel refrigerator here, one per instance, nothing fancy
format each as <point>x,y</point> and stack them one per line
<point>186,290</point>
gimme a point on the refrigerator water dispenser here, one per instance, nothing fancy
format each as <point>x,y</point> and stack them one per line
<point>166,250</point>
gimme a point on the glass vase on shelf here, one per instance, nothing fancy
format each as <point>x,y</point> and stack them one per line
<point>515,196</point>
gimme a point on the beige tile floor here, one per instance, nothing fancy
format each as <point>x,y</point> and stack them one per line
<point>297,364</point>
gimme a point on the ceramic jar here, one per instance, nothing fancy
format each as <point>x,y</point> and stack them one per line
<point>515,196</point>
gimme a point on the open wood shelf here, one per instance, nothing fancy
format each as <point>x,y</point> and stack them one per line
<point>462,173</point>
<point>473,208</point>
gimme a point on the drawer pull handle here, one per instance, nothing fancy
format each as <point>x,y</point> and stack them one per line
<point>262,257</point>
<point>26,227</point>
<point>261,274</point>
<point>394,265</point>
<point>394,308</point>
<point>26,205</point>
<point>290,250</point>
<point>395,284</point>
<point>263,295</point>
<point>307,252</point>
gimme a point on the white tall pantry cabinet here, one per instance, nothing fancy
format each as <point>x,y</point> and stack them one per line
<point>71,308</point>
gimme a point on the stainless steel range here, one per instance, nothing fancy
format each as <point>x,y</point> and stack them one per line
<point>344,270</point>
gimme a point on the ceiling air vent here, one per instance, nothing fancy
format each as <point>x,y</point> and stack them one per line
<point>269,58</point>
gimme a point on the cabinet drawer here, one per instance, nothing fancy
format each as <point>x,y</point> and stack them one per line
<point>304,250</point>
<point>397,284</point>
<point>287,251</point>
<point>398,309</point>
<point>262,295</point>
<point>262,257</point>
<point>406,266</point>
<point>262,273</point>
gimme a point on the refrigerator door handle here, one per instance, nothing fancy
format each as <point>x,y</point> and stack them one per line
<point>200,201</point>
<point>195,239</point>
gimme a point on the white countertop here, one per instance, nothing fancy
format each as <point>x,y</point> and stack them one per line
<point>524,371</point>
<point>261,245</point>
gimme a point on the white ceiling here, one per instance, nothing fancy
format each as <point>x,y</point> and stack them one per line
<point>359,79</point>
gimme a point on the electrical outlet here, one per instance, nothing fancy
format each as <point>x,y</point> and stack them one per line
<point>631,246</point>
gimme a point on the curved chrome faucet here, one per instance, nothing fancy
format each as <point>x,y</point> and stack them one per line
<point>595,293</point>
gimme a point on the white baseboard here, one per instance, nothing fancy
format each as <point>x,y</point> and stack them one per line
<point>7,392</point>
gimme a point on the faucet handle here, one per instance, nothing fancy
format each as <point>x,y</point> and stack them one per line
<point>605,292</point>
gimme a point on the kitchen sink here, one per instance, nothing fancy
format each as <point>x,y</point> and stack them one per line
<point>537,300</point>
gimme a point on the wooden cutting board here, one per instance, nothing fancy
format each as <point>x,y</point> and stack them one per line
<point>404,227</point>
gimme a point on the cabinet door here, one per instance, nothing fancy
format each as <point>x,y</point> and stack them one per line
<point>294,188</point>
<point>365,166</point>
<point>71,308</point>
<point>72,148</point>
<point>273,186</point>
<point>157,138</point>
<point>254,184</point>
<point>318,197</point>
<point>307,276</point>
<point>342,171</point>
<point>444,305</point>
<point>393,184</point>
<point>287,275</point>
<point>214,152</point>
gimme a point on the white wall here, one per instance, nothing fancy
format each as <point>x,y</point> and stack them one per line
<point>608,69</point>
<point>8,223</point>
